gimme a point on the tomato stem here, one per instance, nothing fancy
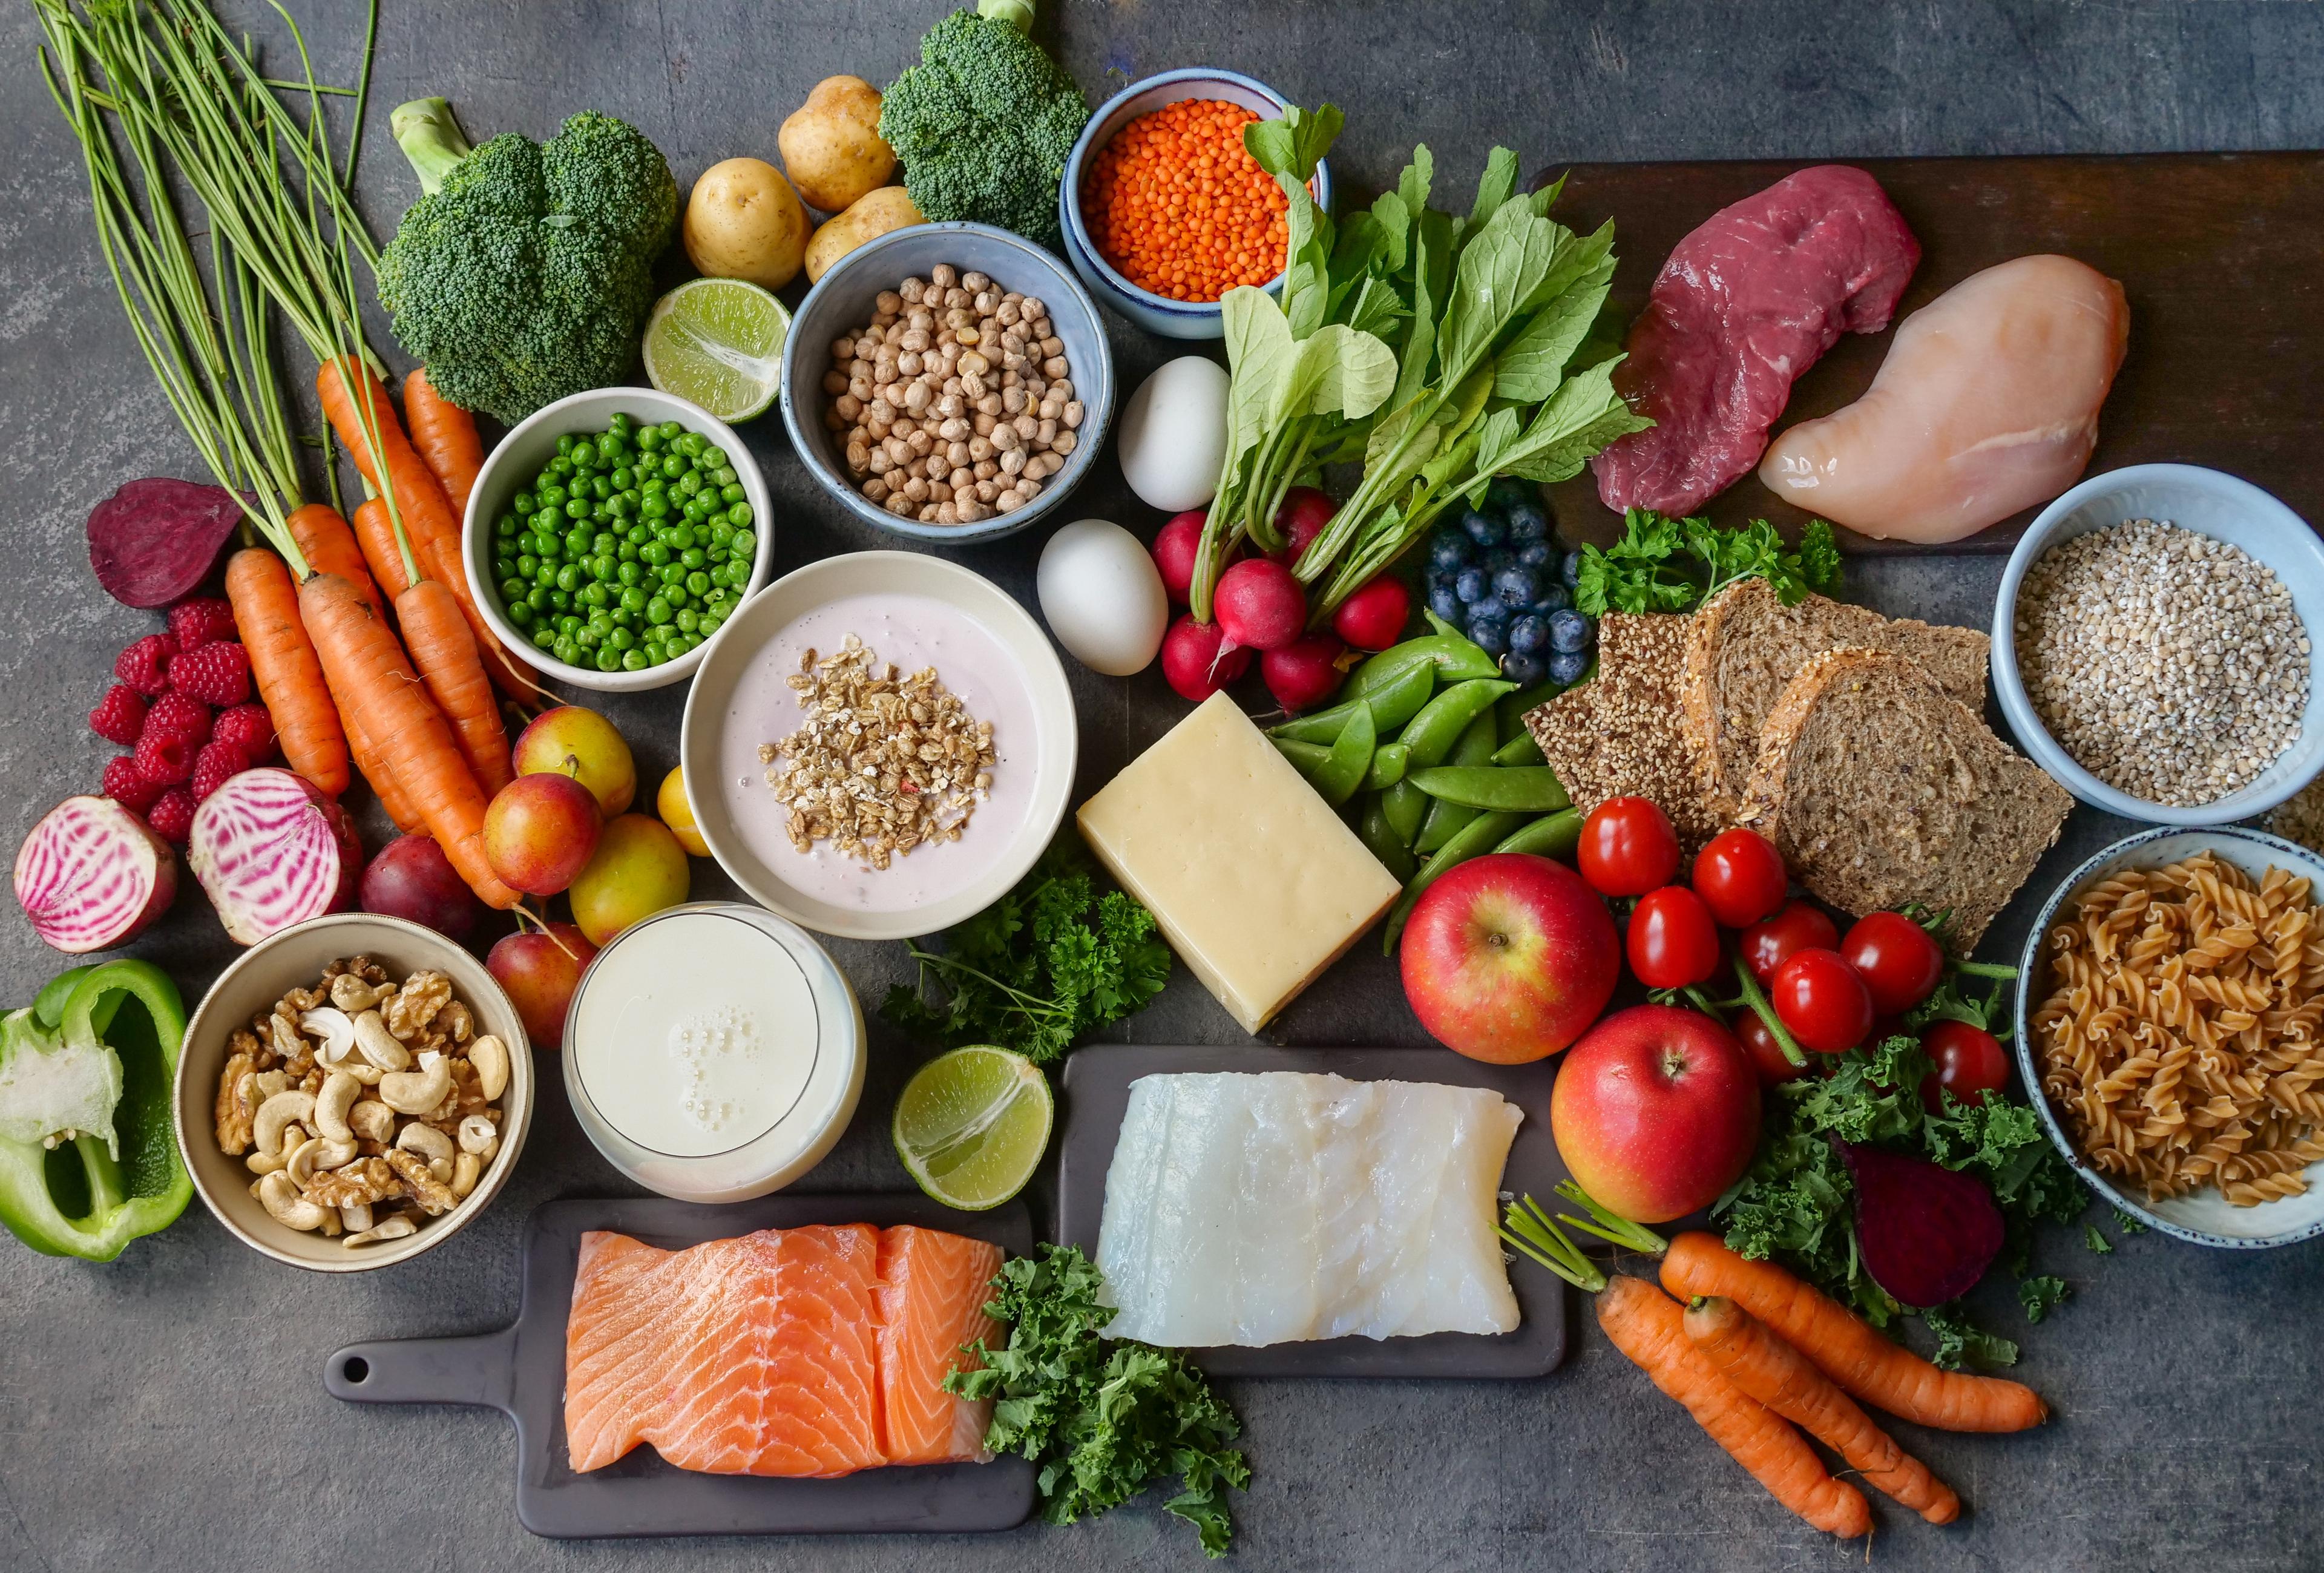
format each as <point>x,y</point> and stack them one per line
<point>1757,1000</point>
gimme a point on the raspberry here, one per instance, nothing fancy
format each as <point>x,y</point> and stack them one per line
<point>216,761</point>
<point>215,674</point>
<point>250,727</point>
<point>126,784</point>
<point>145,665</point>
<point>200,620</point>
<point>173,815</point>
<point>175,727</point>
<point>119,716</point>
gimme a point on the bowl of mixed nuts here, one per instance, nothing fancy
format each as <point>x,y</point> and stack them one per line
<point>351,1091</point>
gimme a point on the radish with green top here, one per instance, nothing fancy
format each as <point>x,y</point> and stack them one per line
<point>91,874</point>
<point>1259,605</point>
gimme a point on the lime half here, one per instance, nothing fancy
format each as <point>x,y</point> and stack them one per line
<point>718,342</point>
<point>973,1124</point>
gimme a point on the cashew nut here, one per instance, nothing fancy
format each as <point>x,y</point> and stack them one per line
<point>285,1206</point>
<point>480,1136</point>
<point>335,1028</point>
<point>361,1070</point>
<point>267,1160</point>
<point>392,1227</point>
<point>431,1144</point>
<point>489,1056</point>
<point>378,1045</point>
<point>372,1120</point>
<point>338,1096</point>
<point>416,1092</point>
<point>356,1218</point>
<point>276,1112</point>
<point>266,1084</point>
<point>466,1169</point>
<point>350,992</point>
<point>308,1157</point>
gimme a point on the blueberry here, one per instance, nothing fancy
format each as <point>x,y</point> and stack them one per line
<point>1438,576</point>
<point>1483,528</point>
<point>1568,666</point>
<point>1445,603</point>
<point>1516,587</point>
<point>1529,522</point>
<point>1569,631</point>
<point>1538,555</point>
<point>1448,549</point>
<point>1528,636</point>
<point>1525,670</point>
<point>1508,492</point>
<point>1571,569</point>
<point>1552,598</point>
<point>1490,636</point>
<point>1471,585</point>
<point>1498,559</point>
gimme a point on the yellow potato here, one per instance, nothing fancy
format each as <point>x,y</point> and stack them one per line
<point>832,147</point>
<point>871,216</point>
<point>744,221</point>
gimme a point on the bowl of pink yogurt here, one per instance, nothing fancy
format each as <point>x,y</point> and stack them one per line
<point>777,739</point>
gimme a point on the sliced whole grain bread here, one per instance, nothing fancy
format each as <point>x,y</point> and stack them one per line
<point>1880,787</point>
<point>1745,644</point>
<point>1621,733</point>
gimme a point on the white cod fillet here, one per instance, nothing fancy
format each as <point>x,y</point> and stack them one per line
<point>1265,1209</point>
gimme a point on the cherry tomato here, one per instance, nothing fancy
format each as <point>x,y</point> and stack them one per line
<point>1768,944</point>
<point>1971,1062</point>
<point>1822,1001</point>
<point>1672,941</point>
<point>1629,848</point>
<point>1742,874</point>
<point>1899,961</point>
<point>1766,1054</point>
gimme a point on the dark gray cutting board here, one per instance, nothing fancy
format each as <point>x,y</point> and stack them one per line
<point>520,1372</point>
<point>1097,1094</point>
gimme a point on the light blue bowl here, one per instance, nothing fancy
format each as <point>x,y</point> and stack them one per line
<point>2211,504</point>
<point>1158,313</point>
<point>842,302</point>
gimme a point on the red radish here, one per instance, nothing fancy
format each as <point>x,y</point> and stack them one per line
<point>272,849</point>
<point>1373,618</point>
<point>412,879</point>
<point>1300,518</point>
<point>1259,605</point>
<point>1179,543</point>
<point>1926,1233</point>
<point>1303,672</point>
<point>154,541</point>
<point>1195,661</point>
<point>91,874</point>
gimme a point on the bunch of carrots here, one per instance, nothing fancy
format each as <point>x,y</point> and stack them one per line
<point>1757,1356</point>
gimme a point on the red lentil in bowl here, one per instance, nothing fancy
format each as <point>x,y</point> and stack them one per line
<point>1177,206</point>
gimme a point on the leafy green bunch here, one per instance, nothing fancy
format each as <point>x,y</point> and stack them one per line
<point>1663,564</point>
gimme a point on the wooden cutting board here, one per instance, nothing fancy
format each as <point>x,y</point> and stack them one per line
<point>2217,252</point>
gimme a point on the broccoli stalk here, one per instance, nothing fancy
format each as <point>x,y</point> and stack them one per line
<point>430,138</point>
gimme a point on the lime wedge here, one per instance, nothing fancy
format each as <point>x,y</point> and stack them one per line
<point>973,1124</point>
<point>718,342</point>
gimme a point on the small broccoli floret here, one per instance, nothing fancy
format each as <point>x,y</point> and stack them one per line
<point>985,123</point>
<point>527,272</point>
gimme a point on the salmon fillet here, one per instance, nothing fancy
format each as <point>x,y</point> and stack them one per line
<point>933,1289</point>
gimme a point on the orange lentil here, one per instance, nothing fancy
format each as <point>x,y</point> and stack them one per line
<point>1178,207</point>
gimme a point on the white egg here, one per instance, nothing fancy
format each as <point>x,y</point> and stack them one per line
<point>1103,595</point>
<point>1173,434</point>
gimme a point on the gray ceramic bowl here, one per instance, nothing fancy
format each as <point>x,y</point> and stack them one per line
<point>842,301</point>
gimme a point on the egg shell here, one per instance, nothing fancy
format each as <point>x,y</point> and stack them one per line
<point>1171,435</point>
<point>1103,597</point>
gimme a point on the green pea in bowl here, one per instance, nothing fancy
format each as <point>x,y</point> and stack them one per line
<point>651,559</point>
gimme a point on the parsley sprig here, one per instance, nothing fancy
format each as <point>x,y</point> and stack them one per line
<point>1663,564</point>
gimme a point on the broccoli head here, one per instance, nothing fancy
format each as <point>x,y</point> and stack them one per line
<point>525,270</point>
<point>985,123</point>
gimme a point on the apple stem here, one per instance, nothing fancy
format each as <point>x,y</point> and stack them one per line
<point>1609,1227</point>
<point>1757,1000</point>
<point>1529,1229</point>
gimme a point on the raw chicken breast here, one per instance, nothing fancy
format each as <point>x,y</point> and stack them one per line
<point>1988,403</point>
<point>1263,1209</point>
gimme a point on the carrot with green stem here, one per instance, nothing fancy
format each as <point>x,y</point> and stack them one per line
<point>375,533</point>
<point>445,436</point>
<point>435,636</point>
<point>285,665</point>
<point>330,547</point>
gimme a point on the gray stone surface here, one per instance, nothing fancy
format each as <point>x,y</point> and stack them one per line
<point>167,1410</point>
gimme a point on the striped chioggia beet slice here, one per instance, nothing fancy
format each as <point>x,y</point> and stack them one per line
<point>272,849</point>
<point>92,874</point>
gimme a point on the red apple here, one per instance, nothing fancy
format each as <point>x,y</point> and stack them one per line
<point>541,971</point>
<point>1509,957</point>
<point>1655,1112</point>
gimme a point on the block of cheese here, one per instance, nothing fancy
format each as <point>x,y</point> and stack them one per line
<point>1256,884</point>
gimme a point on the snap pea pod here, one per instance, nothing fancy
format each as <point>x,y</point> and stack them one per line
<point>1406,806</point>
<point>1520,749</point>
<point>1475,748</point>
<point>1391,705</point>
<point>1388,767</point>
<point>1381,838</point>
<point>1351,758</point>
<point>1530,789</point>
<point>1551,836</point>
<point>1314,761</point>
<point>1510,709</point>
<point>1451,657</point>
<point>1430,736</point>
<point>1478,836</point>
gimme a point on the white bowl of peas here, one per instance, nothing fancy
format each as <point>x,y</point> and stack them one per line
<point>658,534</point>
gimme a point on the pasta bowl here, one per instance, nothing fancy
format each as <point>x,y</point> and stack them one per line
<point>2204,1216</point>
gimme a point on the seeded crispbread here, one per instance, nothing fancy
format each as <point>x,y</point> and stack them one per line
<point>1622,734</point>
<point>1880,787</point>
<point>1746,644</point>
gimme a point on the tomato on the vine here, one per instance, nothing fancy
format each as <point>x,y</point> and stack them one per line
<point>1740,876</point>
<point>1898,959</point>
<point>1822,1001</point>
<point>1768,944</point>
<point>1766,1055</point>
<point>1628,846</point>
<point>1970,1063</point>
<point>1671,942</point>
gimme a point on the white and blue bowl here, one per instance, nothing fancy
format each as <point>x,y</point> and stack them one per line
<point>2204,1216</point>
<point>842,302</point>
<point>1155,313</point>
<point>2209,503</point>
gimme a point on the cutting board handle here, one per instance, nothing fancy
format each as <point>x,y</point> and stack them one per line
<point>478,1370</point>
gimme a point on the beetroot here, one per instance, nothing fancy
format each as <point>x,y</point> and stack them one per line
<point>154,541</point>
<point>1259,605</point>
<point>91,874</point>
<point>272,849</point>
<point>1300,518</point>
<point>1374,616</point>
<point>1197,661</point>
<point>1303,672</point>
<point>1926,1233</point>
<point>1176,546</point>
